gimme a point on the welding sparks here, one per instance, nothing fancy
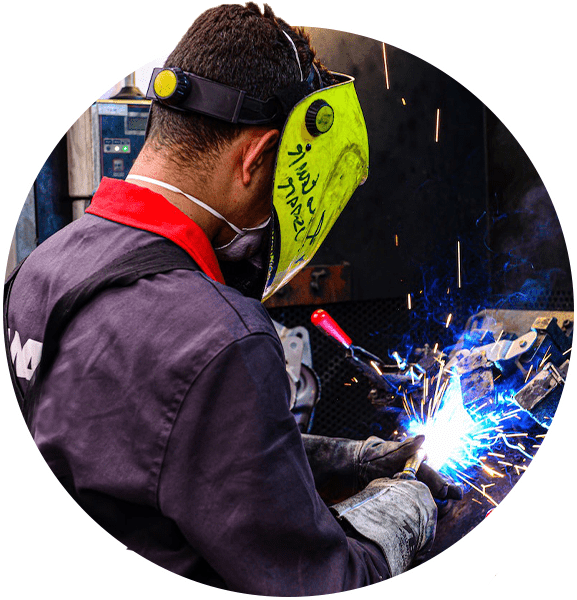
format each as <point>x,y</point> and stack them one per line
<point>557,374</point>
<point>507,416</point>
<point>404,102</point>
<point>547,356</point>
<point>437,125</point>
<point>386,65</point>
<point>444,433</point>
<point>396,240</point>
<point>477,408</point>
<point>376,367</point>
<point>489,471</point>
<point>458,440</point>
<point>468,482</point>
<point>477,434</point>
<point>459,264</point>
<point>402,364</point>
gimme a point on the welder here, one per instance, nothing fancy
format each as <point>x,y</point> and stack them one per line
<point>154,382</point>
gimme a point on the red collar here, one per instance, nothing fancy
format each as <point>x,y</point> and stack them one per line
<point>135,206</point>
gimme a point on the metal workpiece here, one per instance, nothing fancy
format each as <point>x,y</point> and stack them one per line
<point>511,349</point>
<point>516,322</point>
<point>465,362</point>
<point>545,383</point>
<point>552,345</point>
<point>497,352</point>
<point>477,385</point>
<point>548,325</point>
<point>532,366</point>
<point>505,362</point>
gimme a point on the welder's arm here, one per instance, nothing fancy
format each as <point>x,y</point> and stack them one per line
<point>342,467</point>
<point>236,482</point>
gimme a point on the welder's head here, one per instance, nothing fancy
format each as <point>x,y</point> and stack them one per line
<point>239,67</point>
<point>243,48</point>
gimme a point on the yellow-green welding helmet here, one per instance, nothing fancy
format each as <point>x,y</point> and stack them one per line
<point>323,156</point>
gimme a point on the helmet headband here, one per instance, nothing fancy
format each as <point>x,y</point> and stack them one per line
<point>187,92</point>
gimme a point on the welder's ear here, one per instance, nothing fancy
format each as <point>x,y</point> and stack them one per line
<point>260,149</point>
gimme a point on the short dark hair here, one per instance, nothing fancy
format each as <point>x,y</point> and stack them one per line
<point>239,46</point>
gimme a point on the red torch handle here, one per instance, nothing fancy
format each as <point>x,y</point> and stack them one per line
<point>321,319</point>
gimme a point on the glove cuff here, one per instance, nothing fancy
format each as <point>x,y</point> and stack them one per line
<point>398,515</point>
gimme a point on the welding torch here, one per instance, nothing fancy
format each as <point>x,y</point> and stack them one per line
<point>412,465</point>
<point>410,472</point>
<point>380,374</point>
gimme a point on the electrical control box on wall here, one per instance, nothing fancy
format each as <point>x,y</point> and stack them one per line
<point>119,127</point>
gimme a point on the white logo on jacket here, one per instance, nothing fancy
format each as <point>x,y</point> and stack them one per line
<point>25,358</point>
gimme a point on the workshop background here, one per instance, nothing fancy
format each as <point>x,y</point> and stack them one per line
<point>453,220</point>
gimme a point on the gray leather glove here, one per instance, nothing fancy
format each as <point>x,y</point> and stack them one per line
<point>399,515</point>
<point>342,467</point>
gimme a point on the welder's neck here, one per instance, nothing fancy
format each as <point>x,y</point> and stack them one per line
<point>163,170</point>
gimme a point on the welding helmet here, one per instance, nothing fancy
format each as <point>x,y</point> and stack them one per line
<point>322,155</point>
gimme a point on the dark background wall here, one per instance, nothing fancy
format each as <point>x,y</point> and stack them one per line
<point>529,260</point>
<point>474,185</point>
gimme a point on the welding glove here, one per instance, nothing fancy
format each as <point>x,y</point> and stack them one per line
<point>399,515</point>
<point>342,467</point>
